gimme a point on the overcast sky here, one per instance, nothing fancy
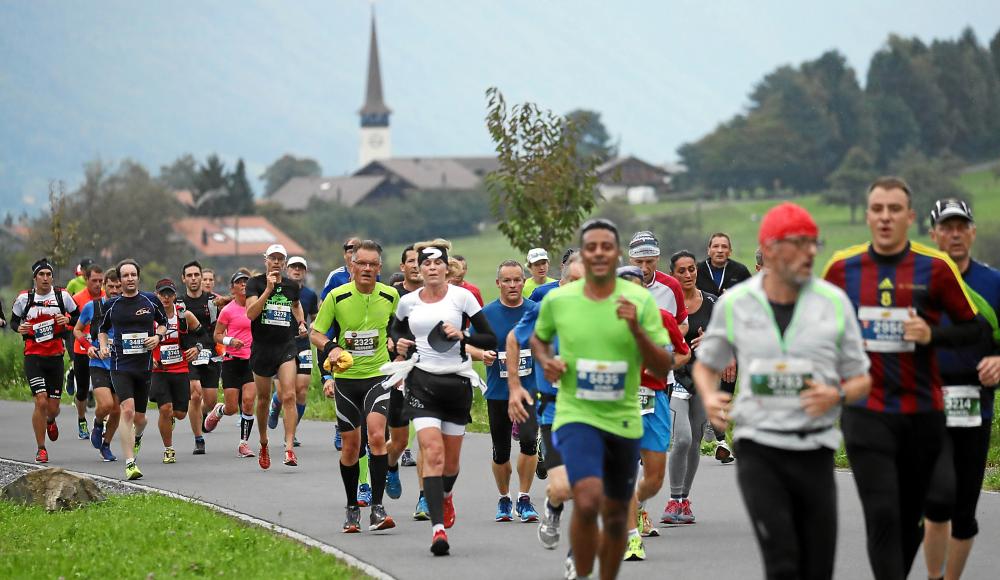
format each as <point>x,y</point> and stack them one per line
<point>153,80</point>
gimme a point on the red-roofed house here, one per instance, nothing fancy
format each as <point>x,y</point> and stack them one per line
<point>232,242</point>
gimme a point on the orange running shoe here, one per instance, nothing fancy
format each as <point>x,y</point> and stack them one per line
<point>42,456</point>
<point>439,544</point>
<point>290,459</point>
<point>449,513</point>
<point>53,430</point>
<point>264,459</point>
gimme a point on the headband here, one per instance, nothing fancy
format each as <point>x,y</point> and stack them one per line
<point>434,253</point>
<point>40,265</point>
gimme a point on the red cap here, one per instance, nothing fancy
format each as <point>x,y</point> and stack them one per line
<point>786,220</point>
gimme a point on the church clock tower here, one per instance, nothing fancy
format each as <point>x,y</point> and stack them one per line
<point>375,139</point>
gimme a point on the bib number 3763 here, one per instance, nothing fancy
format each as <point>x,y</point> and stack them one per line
<point>600,380</point>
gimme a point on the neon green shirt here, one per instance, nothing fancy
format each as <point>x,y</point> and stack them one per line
<point>601,384</point>
<point>362,321</point>
<point>530,285</point>
<point>75,285</point>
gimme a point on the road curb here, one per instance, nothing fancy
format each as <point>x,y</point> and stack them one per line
<point>348,559</point>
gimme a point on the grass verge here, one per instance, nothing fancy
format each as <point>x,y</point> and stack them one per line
<point>148,535</point>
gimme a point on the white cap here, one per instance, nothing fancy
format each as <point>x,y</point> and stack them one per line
<point>276,249</point>
<point>297,260</point>
<point>536,254</point>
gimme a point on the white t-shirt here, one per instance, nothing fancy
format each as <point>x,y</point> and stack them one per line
<point>423,317</point>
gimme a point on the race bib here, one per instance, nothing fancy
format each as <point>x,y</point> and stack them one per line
<point>962,406</point>
<point>44,331</point>
<point>600,380</point>
<point>779,380</point>
<point>306,359</point>
<point>170,354</point>
<point>647,400</point>
<point>133,342</point>
<point>361,342</point>
<point>204,357</point>
<point>680,391</point>
<point>524,368</point>
<point>882,329</point>
<point>277,315</point>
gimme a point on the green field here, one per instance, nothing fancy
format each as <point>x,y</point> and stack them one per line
<point>171,538</point>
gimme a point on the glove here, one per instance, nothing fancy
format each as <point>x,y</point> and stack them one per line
<point>343,362</point>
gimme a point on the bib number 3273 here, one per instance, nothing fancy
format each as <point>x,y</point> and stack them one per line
<point>600,380</point>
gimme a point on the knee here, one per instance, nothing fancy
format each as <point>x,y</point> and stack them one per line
<point>587,503</point>
<point>139,419</point>
<point>529,446</point>
<point>615,520</point>
<point>180,414</point>
<point>288,398</point>
<point>376,439</point>
<point>230,407</point>
<point>964,527</point>
<point>652,480</point>
<point>501,456</point>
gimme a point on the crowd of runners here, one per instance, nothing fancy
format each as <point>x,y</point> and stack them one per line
<point>595,375</point>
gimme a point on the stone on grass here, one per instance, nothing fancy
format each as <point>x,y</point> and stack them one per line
<point>52,488</point>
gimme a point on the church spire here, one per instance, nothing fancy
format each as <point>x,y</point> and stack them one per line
<point>374,113</point>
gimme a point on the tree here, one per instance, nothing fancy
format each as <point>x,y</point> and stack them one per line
<point>240,193</point>
<point>285,168</point>
<point>181,174</point>
<point>849,182</point>
<point>930,179</point>
<point>995,52</point>
<point>896,128</point>
<point>594,139</point>
<point>212,188</point>
<point>543,189</point>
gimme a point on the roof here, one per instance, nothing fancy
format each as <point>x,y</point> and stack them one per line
<point>612,164</point>
<point>426,172</point>
<point>374,104</point>
<point>216,236</point>
<point>185,197</point>
<point>479,165</point>
<point>298,191</point>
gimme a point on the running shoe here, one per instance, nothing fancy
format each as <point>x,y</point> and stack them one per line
<point>42,456</point>
<point>352,523</point>
<point>53,431</point>
<point>569,569</point>
<point>635,552</point>
<point>364,495</point>
<point>379,520</point>
<point>244,450</point>
<point>525,510</point>
<point>81,429</point>
<point>132,471</point>
<point>723,453</point>
<point>687,516</point>
<point>645,525</point>
<point>213,418</point>
<point>449,511</point>
<point>97,435</point>
<point>137,446</point>
<point>439,543</point>
<point>504,507</point>
<point>393,485</point>
<point>169,456</point>
<point>338,442</point>
<point>548,529</point>
<point>406,459</point>
<point>672,514</point>
<point>264,459</point>
<point>199,446</point>
<point>422,513</point>
<point>273,412</point>
<point>295,442</point>
<point>291,460</point>
<point>106,453</point>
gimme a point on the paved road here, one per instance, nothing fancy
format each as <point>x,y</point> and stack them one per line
<point>309,499</point>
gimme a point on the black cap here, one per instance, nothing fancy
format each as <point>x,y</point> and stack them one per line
<point>239,275</point>
<point>949,208</point>
<point>166,284</point>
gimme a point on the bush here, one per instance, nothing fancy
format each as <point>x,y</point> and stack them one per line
<point>12,381</point>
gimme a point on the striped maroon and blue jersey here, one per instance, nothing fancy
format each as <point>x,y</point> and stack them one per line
<point>919,277</point>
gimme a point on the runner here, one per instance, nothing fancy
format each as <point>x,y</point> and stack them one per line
<point>900,290</point>
<point>718,273</point>
<point>360,311</point>
<point>970,376</point>
<point>341,275</point>
<point>204,371</point>
<point>276,318</point>
<point>801,346</point>
<point>239,390</point>
<point>689,419</point>
<point>42,315</point>
<point>598,423</point>
<point>399,426</point>
<point>503,314</point>
<point>656,427</point>
<point>208,280</point>
<point>538,265</point>
<point>170,387</point>
<point>557,490</point>
<point>297,269</point>
<point>94,276</point>
<point>137,323</point>
<point>439,379</point>
<point>79,282</point>
<point>108,411</point>
<point>461,269</point>
<point>644,252</point>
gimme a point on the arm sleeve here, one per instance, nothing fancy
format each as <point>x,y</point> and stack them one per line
<point>484,336</point>
<point>715,350</point>
<point>961,334</point>
<point>852,360</point>
<point>17,311</point>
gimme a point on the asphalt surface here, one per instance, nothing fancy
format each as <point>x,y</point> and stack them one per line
<point>310,499</point>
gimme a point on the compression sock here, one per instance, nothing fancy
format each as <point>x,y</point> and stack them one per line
<point>392,468</point>
<point>434,493</point>
<point>246,426</point>
<point>379,466</point>
<point>449,482</point>
<point>349,473</point>
<point>301,410</point>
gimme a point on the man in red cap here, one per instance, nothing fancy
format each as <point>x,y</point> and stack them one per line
<point>900,291</point>
<point>799,346</point>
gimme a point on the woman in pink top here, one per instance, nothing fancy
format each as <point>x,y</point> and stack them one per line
<point>233,331</point>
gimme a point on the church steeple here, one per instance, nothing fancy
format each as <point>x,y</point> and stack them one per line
<point>374,113</point>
